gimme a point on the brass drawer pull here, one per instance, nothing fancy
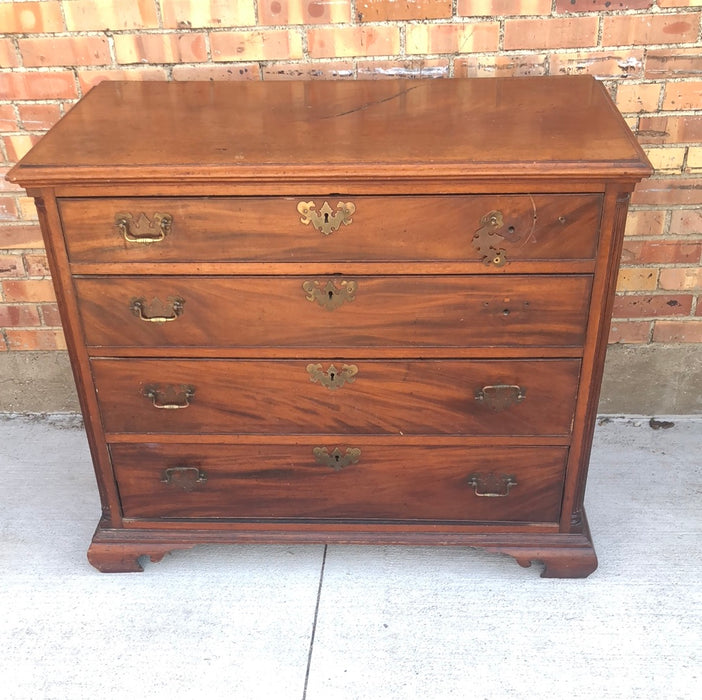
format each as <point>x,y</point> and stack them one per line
<point>326,220</point>
<point>498,397</point>
<point>332,378</point>
<point>492,485</point>
<point>487,241</point>
<point>138,308</point>
<point>329,296</point>
<point>170,398</point>
<point>336,460</point>
<point>155,229</point>
<point>186,478</point>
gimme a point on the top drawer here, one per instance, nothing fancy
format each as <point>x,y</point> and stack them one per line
<point>494,229</point>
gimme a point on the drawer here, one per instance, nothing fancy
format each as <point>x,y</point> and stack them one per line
<point>390,228</point>
<point>455,311</point>
<point>399,397</point>
<point>389,482</point>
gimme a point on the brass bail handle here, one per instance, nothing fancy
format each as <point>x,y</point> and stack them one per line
<point>156,395</point>
<point>154,229</point>
<point>138,308</point>
<point>326,220</point>
<point>491,485</point>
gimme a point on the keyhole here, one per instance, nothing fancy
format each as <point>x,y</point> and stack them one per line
<point>326,218</point>
<point>330,293</point>
<point>337,458</point>
<point>331,376</point>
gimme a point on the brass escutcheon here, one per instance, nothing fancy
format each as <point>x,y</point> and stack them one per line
<point>487,241</point>
<point>336,460</point>
<point>491,485</point>
<point>326,220</point>
<point>498,397</point>
<point>142,229</point>
<point>170,397</point>
<point>139,308</point>
<point>329,296</point>
<point>332,378</point>
<point>186,478</point>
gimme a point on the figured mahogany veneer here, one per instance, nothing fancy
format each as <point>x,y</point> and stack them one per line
<point>339,312</point>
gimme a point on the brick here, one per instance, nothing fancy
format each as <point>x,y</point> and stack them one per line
<point>287,12</point>
<point>38,85</point>
<point>645,222</point>
<point>37,265</point>
<point>28,290</point>
<point>266,45</point>
<point>38,117</point>
<point>567,6</point>
<point>496,8</point>
<point>88,15</point>
<point>11,266</point>
<point>65,51</point>
<point>613,64</point>
<point>160,48</point>
<point>17,145</point>
<point>393,10</point>
<point>27,208</point>
<point>8,120</point>
<point>666,159</point>
<point>673,63</point>
<point>8,54</point>
<point>686,221</point>
<point>665,191</point>
<point>683,278</point>
<point>30,17</point>
<point>637,279</point>
<point>452,38</point>
<point>90,78</point>
<point>679,3</point>
<point>660,251</point>
<point>694,159</point>
<point>240,71</point>
<point>678,331</point>
<point>343,42</point>
<point>8,211</point>
<point>640,30</point>
<point>417,68</point>
<point>554,33</point>
<point>191,14</point>
<point>20,236</point>
<point>50,314</point>
<point>39,339</point>
<point>334,70</point>
<point>685,95</point>
<point>630,332</point>
<point>5,186</point>
<point>500,66</point>
<point>670,129</point>
<point>651,306</point>
<point>640,97</point>
<point>18,315</point>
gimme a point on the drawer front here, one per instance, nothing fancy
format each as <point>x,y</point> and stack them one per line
<point>395,228</point>
<point>389,482</point>
<point>399,397</point>
<point>455,311</point>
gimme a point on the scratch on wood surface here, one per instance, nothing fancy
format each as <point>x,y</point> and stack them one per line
<point>367,105</point>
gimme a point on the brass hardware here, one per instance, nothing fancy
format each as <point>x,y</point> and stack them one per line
<point>487,241</point>
<point>492,485</point>
<point>332,378</point>
<point>138,307</point>
<point>155,229</point>
<point>336,460</point>
<point>498,397</point>
<point>170,397</point>
<point>326,220</point>
<point>186,478</point>
<point>330,296</point>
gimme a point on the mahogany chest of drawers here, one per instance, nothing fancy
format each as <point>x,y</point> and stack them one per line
<point>343,312</point>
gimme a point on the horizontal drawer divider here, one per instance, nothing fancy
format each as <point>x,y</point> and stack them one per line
<point>339,439</point>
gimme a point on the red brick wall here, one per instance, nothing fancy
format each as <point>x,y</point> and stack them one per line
<point>648,53</point>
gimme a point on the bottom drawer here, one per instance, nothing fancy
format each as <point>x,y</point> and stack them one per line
<point>357,482</point>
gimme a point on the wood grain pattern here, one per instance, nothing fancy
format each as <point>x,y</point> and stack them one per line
<point>419,228</point>
<point>392,482</point>
<point>386,397</point>
<point>465,311</point>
